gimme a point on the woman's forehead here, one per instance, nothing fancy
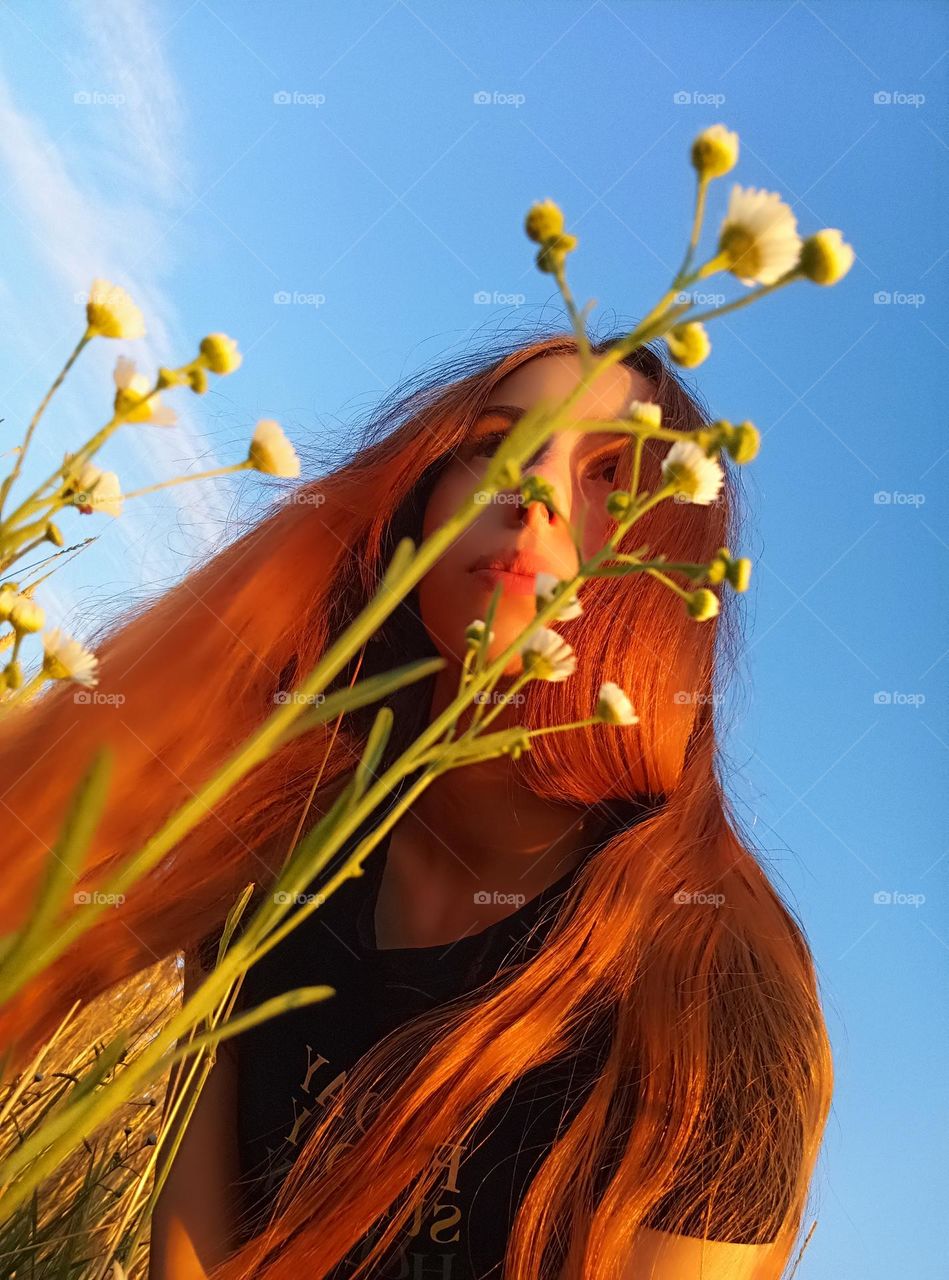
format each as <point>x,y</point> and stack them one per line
<point>557,376</point>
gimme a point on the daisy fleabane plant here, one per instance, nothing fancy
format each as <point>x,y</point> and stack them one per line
<point>81,485</point>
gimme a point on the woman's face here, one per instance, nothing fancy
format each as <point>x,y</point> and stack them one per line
<point>580,468</point>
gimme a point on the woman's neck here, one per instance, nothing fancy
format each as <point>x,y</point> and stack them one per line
<point>471,850</point>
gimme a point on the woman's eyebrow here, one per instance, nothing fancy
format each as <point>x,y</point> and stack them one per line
<point>590,440</point>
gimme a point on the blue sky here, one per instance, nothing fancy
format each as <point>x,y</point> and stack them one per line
<point>213,158</point>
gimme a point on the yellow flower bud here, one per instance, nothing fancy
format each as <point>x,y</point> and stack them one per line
<point>8,598</point>
<point>54,536</point>
<point>702,604</point>
<point>618,504</point>
<point>688,344</point>
<point>198,380</point>
<point>715,151</point>
<point>551,256</point>
<point>544,220</point>
<point>739,573</point>
<point>13,675</point>
<point>826,257</point>
<point>26,615</point>
<point>718,569</point>
<point>744,442</point>
<point>474,631</point>
<point>220,353</point>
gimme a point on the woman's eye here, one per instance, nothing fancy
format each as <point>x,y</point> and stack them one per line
<point>604,470</point>
<point>488,443</point>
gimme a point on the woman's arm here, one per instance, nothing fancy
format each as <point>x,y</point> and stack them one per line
<point>193,1222</point>
<point>659,1255</point>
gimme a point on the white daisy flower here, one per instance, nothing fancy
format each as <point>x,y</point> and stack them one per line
<point>98,491</point>
<point>759,236</point>
<point>111,313</point>
<point>66,659</point>
<point>613,706</point>
<point>645,413</point>
<point>271,451</point>
<point>548,656</point>
<point>694,474</point>
<point>132,386</point>
<point>545,586</point>
<point>475,630</point>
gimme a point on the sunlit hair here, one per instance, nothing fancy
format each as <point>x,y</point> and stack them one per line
<point>672,935</point>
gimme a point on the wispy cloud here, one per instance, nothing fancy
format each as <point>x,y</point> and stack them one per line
<point>102,198</point>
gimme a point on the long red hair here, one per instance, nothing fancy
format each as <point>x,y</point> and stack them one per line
<point>717,1034</point>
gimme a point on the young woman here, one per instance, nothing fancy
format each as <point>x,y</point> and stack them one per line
<point>575,1032</point>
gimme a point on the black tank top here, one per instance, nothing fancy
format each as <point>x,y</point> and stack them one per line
<point>288,1064</point>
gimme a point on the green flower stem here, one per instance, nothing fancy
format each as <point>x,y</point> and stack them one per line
<point>201,475</point>
<point>55,1135</point>
<point>753,296</point>
<point>76,461</point>
<point>267,737</point>
<point>23,695</point>
<point>16,540</point>
<point>701,189</point>
<point>17,466</point>
<point>576,319</point>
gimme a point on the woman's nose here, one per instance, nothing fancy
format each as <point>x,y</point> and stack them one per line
<point>551,463</point>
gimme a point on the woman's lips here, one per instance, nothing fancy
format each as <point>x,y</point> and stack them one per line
<point>513,584</point>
